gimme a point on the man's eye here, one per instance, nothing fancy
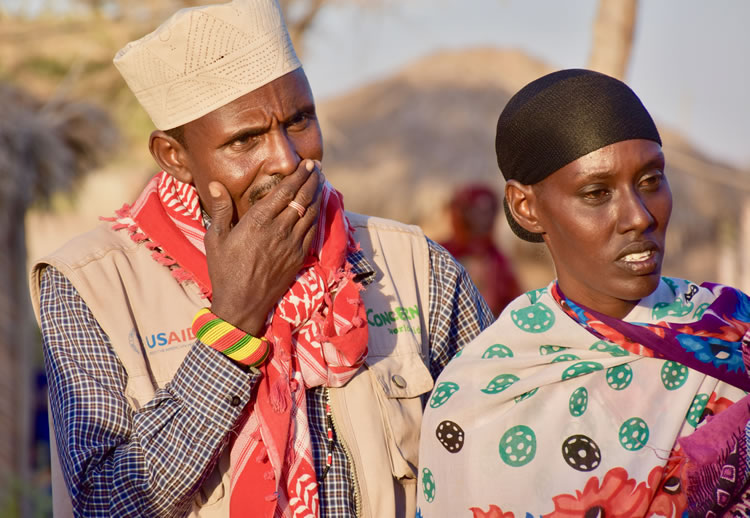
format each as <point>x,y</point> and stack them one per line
<point>299,121</point>
<point>243,140</point>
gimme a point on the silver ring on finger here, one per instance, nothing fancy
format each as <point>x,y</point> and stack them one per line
<point>301,209</point>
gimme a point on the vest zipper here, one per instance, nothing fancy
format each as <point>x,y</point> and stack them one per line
<point>350,459</point>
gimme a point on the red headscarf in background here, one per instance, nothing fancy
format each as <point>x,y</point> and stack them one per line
<point>473,213</point>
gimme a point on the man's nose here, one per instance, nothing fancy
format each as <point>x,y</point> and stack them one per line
<point>283,158</point>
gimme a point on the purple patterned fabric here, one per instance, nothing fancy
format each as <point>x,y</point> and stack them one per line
<point>717,473</point>
<point>718,344</point>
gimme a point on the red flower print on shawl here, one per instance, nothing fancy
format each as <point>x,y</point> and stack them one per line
<point>670,500</point>
<point>493,512</point>
<point>616,497</point>
<point>716,405</point>
<point>623,341</point>
<point>728,333</point>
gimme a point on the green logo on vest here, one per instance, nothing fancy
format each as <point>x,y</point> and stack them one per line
<point>398,320</point>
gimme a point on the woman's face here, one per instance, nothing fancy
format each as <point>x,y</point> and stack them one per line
<point>604,218</point>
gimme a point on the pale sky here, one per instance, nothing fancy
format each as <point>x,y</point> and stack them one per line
<point>689,63</point>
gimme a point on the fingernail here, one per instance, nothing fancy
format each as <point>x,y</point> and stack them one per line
<point>309,166</point>
<point>214,190</point>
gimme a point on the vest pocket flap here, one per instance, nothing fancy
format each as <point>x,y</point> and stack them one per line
<point>404,376</point>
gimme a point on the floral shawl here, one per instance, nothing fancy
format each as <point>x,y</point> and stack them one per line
<point>554,412</point>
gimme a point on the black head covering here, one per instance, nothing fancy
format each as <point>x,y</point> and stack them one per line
<point>561,117</point>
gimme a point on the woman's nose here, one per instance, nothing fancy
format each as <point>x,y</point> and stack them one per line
<point>634,213</point>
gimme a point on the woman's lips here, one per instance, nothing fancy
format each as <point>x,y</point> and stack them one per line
<point>640,263</point>
<point>637,256</point>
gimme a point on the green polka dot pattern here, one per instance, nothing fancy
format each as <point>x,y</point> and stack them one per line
<point>428,485</point>
<point>565,358</point>
<point>619,377</point>
<point>500,383</point>
<point>497,351</point>
<point>608,347</point>
<point>673,375</point>
<point>534,295</point>
<point>634,434</point>
<point>533,319</point>
<point>578,402</point>
<point>525,395</point>
<point>700,310</point>
<point>550,349</point>
<point>442,393</point>
<point>518,446</point>
<point>581,368</point>
<point>696,409</point>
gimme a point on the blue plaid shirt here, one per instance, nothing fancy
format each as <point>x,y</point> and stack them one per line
<point>151,462</point>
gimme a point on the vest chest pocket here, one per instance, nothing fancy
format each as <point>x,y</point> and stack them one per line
<point>399,382</point>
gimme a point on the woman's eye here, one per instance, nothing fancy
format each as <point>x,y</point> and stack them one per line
<point>595,194</point>
<point>651,181</point>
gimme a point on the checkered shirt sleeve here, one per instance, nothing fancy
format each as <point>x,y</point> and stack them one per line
<point>458,313</point>
<point>123,462</point>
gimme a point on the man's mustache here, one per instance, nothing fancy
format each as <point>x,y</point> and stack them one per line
<point>257,192</point>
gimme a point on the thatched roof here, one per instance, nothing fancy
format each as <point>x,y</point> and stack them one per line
<point>396,148</point>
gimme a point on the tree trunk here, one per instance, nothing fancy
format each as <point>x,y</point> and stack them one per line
<point>16,342</point>
<point>614,28</point>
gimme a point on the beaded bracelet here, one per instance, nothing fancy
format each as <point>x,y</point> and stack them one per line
<point>228,340</point>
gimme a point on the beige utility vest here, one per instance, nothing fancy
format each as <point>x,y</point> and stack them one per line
<point>147,316</point>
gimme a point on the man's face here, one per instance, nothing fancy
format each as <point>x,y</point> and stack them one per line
<point>250,144</point>
<point>605,217</point>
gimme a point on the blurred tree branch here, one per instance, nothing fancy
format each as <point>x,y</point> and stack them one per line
<point>614,28</point>
<point>300,15</point>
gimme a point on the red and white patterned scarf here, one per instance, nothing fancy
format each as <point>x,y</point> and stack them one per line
<point>318,331</point>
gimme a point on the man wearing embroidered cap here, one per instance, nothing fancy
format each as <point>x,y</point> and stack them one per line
<point>234,343</point>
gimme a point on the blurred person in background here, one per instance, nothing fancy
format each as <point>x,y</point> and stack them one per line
<point>473,211</point>
<point>233,343</point>
<point>613,391</point>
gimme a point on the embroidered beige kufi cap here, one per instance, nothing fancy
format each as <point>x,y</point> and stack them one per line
<point>205,57</point>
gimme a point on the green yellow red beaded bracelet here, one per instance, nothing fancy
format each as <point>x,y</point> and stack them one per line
<point>228,340</point>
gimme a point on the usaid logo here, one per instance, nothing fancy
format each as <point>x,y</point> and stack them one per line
<point>168,338</point>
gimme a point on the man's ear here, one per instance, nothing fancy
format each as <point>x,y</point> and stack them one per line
<point>171,155</point>
<point>522,203</point>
